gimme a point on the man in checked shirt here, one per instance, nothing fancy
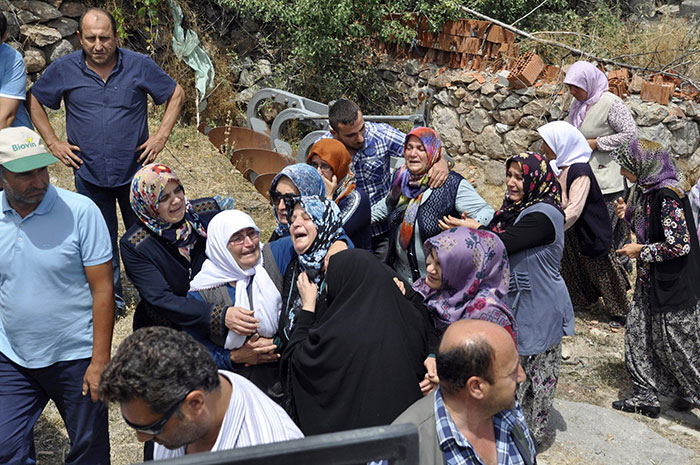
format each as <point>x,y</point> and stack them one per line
<point>473,418</point>
<point>371,146</point>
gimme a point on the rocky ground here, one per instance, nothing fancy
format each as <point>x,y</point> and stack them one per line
<point>589,431</point>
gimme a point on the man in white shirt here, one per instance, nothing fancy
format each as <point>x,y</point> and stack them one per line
<point>169,391</point>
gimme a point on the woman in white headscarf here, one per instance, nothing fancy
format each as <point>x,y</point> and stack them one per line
<point>588,265</point>
<point>235,274</point>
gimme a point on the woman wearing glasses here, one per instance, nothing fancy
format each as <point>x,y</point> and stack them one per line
<point>165,251</point>
<point>291,182</point>
<point>332,160</point>
<point>237,275</point>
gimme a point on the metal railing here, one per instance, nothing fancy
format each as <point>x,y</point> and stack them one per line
<point>398,444</point>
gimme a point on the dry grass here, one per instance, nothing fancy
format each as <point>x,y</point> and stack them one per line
<point>668,43</point>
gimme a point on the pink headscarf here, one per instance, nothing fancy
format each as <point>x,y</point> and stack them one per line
<point>589,78</point>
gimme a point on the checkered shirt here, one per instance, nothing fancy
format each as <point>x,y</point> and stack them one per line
<point>372,163</point>
<point>456,448</point>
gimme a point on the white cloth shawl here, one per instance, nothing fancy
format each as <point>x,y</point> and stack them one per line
<point>567,142</point>
<point>221,268</point>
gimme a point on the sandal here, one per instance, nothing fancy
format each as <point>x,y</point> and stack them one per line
<point>637,405</point>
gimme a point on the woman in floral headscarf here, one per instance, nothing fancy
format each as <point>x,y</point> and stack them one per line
<point>606,123</point>
<point>468,275</point>
<point>415,210</point>
<point>164,252</point>
<point>662,341</point>
<point>531,225</point>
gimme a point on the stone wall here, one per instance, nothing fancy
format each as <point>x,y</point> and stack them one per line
<point>482,121</point>
<point>42,31</point>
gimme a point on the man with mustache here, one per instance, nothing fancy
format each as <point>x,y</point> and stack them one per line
<point>56,305</point>
<point>105,91</point>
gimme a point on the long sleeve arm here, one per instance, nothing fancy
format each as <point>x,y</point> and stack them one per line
<point>578,192</point>
<point>468,200</point>
<point>622,121</point>
<point>533,229</point>
<point>676,236</point>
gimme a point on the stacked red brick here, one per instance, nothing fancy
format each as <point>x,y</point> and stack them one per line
<point>465,43</point>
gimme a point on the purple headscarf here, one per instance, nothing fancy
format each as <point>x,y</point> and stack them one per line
<point>589,78</point>
<point>655,169</point>
<point>475,278</point>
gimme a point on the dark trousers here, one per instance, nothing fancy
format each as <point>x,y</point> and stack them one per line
<point>24,393</point>
<point>106,199</point>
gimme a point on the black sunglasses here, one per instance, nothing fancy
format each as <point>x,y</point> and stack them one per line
<point>275,197</point>
<point>157,427</point>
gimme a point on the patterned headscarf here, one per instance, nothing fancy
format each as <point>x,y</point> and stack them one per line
<point>407,188</point>
<point>589,78</point>
<point>539,185</point>
<point>146,189</point>
<point>475,278</point>
<point>654,168</point>
<point>307,181</point>
<point>329,227</point>
<point>338,158</point>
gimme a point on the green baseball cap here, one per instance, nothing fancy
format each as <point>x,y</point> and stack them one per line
<point>21,150</point>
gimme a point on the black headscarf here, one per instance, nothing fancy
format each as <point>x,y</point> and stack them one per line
<point>360,363</point>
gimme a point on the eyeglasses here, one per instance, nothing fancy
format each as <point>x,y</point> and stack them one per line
<point>239,238</point>
<point>155,428</point>
<point>275,197</point>
<point>325,167</point>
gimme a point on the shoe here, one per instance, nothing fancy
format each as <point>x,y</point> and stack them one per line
<point>634,405</point>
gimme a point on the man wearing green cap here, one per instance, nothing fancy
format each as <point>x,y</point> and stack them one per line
<point>56,305</point>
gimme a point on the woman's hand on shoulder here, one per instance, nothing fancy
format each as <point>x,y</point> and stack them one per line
<point>241,321</point>
<point>308,291</point>
<point>255,351</point>
<point>437,175</point>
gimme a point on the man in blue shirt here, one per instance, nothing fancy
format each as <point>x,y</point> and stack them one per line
<point>105,91</point>
<point>473,418</point>
<point>371,146</point>
<point>56,305</point>
<point>13,83</point>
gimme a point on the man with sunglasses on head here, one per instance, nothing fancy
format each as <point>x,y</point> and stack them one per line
<point>170,391</point>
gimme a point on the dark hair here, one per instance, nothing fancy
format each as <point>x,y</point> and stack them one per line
<point>3,24</point>
<point>159,365</point>
<point>342,112</point>
<point>99,10</point>
<point>456,365</point>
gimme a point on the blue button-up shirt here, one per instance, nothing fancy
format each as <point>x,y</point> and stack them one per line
<point>107,120</point>
<point>458,451</point>
<point>371,164</point>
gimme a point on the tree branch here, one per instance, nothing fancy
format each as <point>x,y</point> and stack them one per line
<point>577,51</point>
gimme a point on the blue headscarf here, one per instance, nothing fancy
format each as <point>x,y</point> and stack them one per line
<point>306,179</point>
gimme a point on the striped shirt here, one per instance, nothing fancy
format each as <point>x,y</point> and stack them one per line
<point>458,451</point>
<point>251,419</point>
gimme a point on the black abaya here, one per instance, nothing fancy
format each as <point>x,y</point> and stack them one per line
<point>357,362</point>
